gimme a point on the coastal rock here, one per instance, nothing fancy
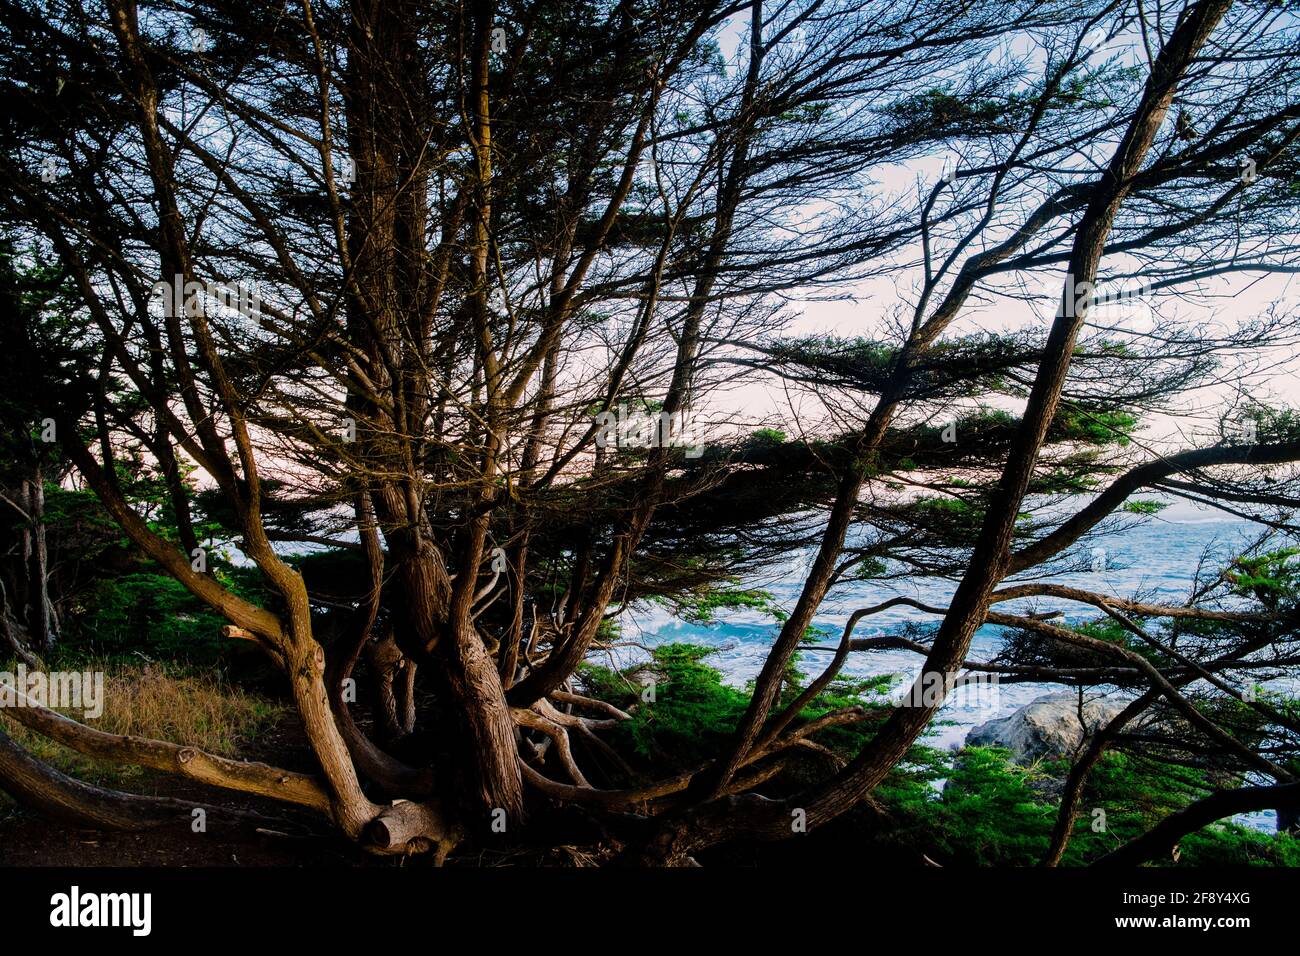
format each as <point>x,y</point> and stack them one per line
<point>1047,726</point>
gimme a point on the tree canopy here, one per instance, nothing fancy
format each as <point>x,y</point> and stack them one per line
<point>416,341</point>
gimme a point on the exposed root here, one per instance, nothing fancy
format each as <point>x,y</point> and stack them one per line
<point>663,790</point>
<point>554,729</point>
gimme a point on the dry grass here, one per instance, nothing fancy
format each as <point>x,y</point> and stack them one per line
<point>187,707</point>
<point>194,709</point>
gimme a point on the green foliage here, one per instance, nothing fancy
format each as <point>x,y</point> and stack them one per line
<point>972,808</point>
<point>954,513</point>
<point>870,569</point>
<point>695,591</point>
<point>767,436</point>
<point>691,717</point>
<point>78,526</point>
<point>1272,578</point>
<point>1076,480</point>
<point>1275,425</point>
<point>694,714</point>
<point>1104,629</point>
<point>44,352</point>
<point>939,110</point>
<point>858,363</point>
<point>1091,426</point>
<point>702,605</point>
<point>1138,507</point>
<point>985,814</point>
<point>993,813</point>
<point>145,613</point>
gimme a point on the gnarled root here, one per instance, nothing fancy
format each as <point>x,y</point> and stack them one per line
<point>556,725</point>
<point>534,719</point>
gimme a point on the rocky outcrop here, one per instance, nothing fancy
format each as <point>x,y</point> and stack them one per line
<point>1049,726</point>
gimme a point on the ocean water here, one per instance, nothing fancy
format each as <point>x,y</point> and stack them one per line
<point>1155,559</point>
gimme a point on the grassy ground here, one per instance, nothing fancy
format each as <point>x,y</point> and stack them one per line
<point>164,702</point>
<point>186,706</point>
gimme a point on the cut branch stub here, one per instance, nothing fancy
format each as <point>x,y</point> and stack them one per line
<point>409,827</point>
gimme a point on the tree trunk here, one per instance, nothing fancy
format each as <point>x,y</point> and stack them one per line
<point>486,741</point>
<point>39,611</point>
<point>385,663</point>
